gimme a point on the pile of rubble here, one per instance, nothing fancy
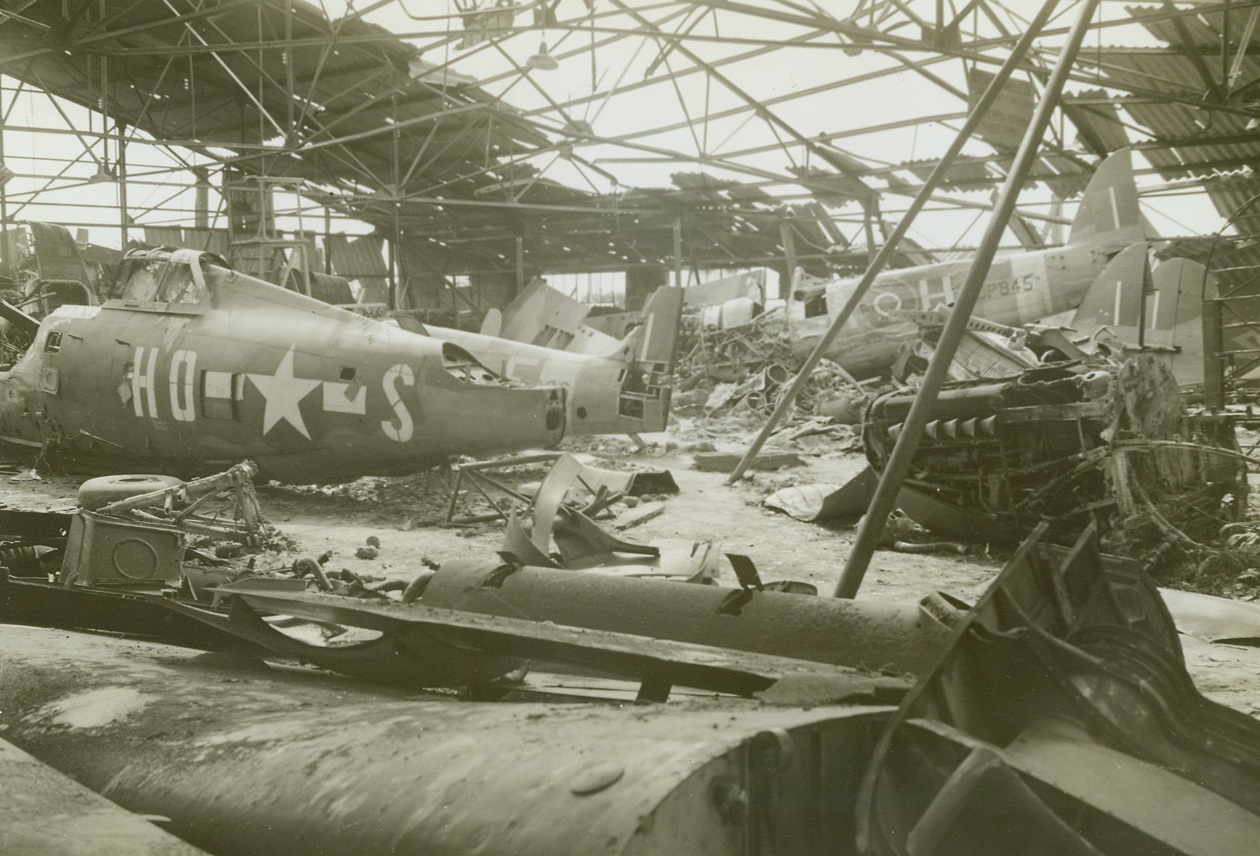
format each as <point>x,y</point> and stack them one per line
<point>731,354</point>
<point>749,369</point>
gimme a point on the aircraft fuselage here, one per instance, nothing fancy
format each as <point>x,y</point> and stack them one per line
<point>610,394</point>
<point>1019,289</point>
<point>237,369</point>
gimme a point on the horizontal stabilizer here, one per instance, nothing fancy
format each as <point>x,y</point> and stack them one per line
<point>541,315</point>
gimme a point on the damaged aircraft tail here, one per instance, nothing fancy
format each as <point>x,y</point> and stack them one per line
<point>615,385</point>
<point>1133,307</point>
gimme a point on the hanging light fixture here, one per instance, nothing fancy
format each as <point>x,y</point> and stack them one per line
<point>103,175</point>
<point>542,61</point>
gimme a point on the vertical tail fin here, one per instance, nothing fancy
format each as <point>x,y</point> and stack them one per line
<point>1109,214</point>
<point>662,319</point>
<point>648,352</point>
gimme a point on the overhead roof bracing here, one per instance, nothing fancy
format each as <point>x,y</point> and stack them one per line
<point>733,133</point>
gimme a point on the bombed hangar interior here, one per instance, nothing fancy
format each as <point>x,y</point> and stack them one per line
<point>571,426</point>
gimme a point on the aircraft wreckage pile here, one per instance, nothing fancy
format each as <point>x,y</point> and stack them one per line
<point>573,691</point>
<point>824,725</point>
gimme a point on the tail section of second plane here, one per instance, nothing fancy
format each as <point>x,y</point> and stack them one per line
<point>1108,215</point>
<point>617,382</point>
<point>1018,289</point>
<point>1133,306</point>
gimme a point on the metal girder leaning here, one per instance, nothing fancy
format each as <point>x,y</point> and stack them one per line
<point>1061,720</point>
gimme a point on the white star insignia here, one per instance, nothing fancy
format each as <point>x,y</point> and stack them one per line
<point>284,392</point>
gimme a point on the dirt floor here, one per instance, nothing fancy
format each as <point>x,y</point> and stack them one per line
<point>405,515</point>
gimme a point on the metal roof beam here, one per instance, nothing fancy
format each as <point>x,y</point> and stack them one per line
<point>830,157</point>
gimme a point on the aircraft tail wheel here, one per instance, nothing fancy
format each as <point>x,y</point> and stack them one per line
<point>99,492</point>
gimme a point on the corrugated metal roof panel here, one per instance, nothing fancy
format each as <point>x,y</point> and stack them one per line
<point>206,240</point>
<point>962,174</point>
<point>1198,29</point>
<point>163,236</point>
<point>361,260</point>
<point>1168,72</point>
<point>1072,177</point>
<point>1230,194</point>
<point>1165,121</point>
<point>1102,119</point>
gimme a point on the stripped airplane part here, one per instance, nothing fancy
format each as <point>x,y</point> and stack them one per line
<point>614,385</point>
<point>750,285</point>
<point>195,366</point>
<point>1112,448</point>
<point>1130,309</point>
<point>36,816</point>
<point>1060,720</point>
<point>340,769</point>
<point>985,350</point>
<point>895,638</point>
<point>728,303</point>
<point>1133,308</point>
<point>1019,289</point>
<point>425,647</point>
<point>603,487</point>
<point>559,517</point>
<point>1066,679</point>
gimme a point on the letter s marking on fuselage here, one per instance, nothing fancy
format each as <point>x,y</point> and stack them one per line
<point>401,432</point>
